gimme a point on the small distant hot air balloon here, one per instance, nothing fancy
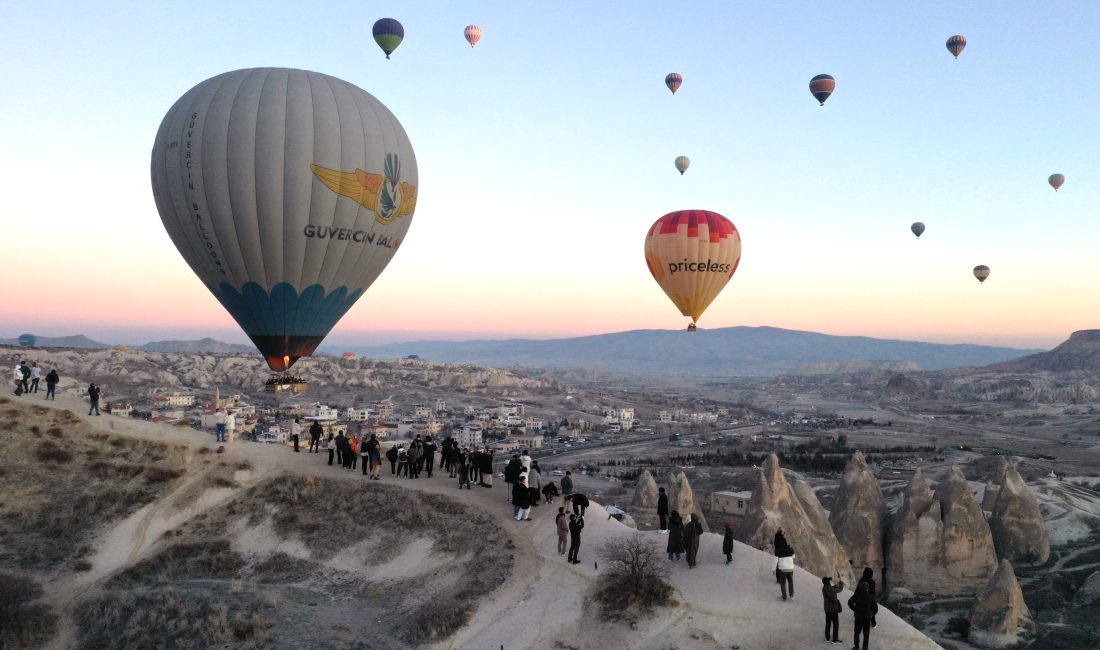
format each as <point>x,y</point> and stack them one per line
<point>692,254</point>
<point>822,86</point>
<point>673,81</point>
<point>349,356</point>
<point>472,34</point>
<point>682,163</point>
<point>917,228</point>
<point>1056,181</point>
<point>956,44</point>
<point>27,340</point>
<point>388,33</point>
<point>981,272</point>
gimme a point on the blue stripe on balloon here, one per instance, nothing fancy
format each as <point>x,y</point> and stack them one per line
<point>283,311</point>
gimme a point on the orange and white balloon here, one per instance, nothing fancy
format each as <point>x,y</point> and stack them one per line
<point>472,34</point>
<point>692,254</point>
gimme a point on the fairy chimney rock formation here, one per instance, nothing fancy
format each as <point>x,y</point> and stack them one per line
<point>999,611</point>
<point>1019,532</point>
<point>645,495</point>
<point>644,510</point>
<point>940,542</point>
<point>774,504</point>
<point>681,499</point>
<point>859,515</point>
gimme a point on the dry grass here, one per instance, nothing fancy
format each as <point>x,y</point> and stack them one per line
<point>172,618</point>
<point>63,485</point>
<point>24,623</point>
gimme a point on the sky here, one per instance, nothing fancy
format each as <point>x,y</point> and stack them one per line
<point>546,152</point>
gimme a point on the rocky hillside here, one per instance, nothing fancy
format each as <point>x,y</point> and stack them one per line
<point>117,369</point>
<point>1080,353</point>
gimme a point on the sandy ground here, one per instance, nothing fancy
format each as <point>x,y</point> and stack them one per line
<point>543,604</point>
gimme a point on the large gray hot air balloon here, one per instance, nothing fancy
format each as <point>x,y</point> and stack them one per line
<point>287,192</point>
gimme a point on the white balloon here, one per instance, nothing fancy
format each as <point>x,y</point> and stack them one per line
<point>287,192</point>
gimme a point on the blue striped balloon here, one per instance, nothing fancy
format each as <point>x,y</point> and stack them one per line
<point>956,44</point>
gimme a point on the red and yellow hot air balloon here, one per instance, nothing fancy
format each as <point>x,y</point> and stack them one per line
<point>692,254</point>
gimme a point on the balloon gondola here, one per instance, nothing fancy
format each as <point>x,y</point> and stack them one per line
<point>287,192</point>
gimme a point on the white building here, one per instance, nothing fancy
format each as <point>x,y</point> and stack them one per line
<point>733,503</point>
<point>359,415</point>
<point>511,409</point>
<point>664,416</point>
<point>440,406</point>
<point>422,411</point>
<point>384,409</point>
<point>319,411</point>
<point>469,435</point>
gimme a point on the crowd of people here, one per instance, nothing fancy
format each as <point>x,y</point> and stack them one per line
<point>283,380</point>
<point>27,379</point>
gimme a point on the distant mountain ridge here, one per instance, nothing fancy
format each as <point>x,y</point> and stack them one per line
<point>724,352</point>
<point>79,341</point>
<point>1080,352</point>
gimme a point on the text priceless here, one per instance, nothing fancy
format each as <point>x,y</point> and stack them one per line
<point>709,266</point>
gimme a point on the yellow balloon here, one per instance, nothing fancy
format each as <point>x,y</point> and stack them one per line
<point>692,254</point>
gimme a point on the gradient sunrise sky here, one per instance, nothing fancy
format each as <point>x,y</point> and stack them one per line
<point>547,151</point>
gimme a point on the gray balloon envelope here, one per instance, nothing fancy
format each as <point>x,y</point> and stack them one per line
<point>287,192</point>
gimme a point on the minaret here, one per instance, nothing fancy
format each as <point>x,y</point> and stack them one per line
<point>217,397</point>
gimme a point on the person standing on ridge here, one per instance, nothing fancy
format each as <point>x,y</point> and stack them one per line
<point>219,425</point>
<point>391,455</point>
<point>864,607</point>
<point>315,433</point>
<point>525,460</point>
<point>486,461</point>
<point>17,376</point>
<point>869,577</point>
<point>576,525</point>
<point>521,499</point>
<point>36,375</point>
<point>52,380</point>
<point>374,451</point>
<point>784,563</point>
<point>692,530</point>
<point>832,608</point>
<point>727,543</point>
<point>25,374</point>
<point>511,472</point>
<point>231,424</point>
<point>662,509</point>
<point>561,521</point>
<point>675,545</point>
<point>428,450</point>
<point>93,397</point>
<point>296,432</point>
<point>567,484</point>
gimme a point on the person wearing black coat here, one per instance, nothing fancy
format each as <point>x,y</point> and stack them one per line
<point>692,531</point>
<point>782,548</point>
<point>869,577</point>
<point>832,608</point>
<point>580,503</point>
<point>391,455</point>
<point>521,501</point>
<point>576,525</point>
<point>675,547</point>
<point>864,608</point>
<point>549,491</point>
<point>486,462</point>
<point>52,379</point>
<point>727,543</point>
<point>315,431</point>
<point>428,451</point>
<point>662,508</point>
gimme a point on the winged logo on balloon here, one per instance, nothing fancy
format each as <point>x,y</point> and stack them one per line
<point>385,194</point>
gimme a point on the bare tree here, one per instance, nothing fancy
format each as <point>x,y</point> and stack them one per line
<point>634,575</point>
